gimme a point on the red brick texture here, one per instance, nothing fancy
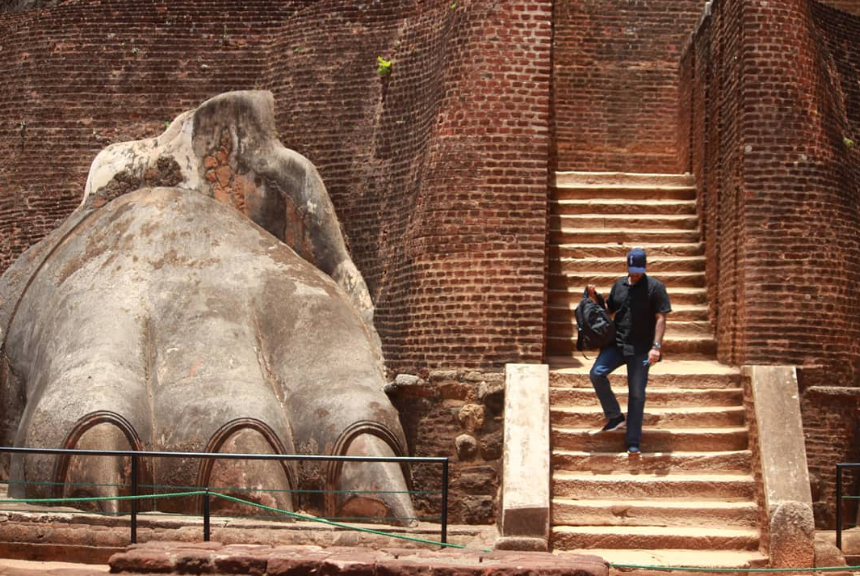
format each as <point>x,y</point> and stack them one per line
<point>773,151</point>
<point>850,6</point>
<point>79,77</point>
<point>832,427</point>
<point>216,558</point>
<point>770,91</point>
<point>615,83</point>
<point>438,171</point>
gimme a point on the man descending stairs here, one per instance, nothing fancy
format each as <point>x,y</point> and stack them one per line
<point>689,498</point>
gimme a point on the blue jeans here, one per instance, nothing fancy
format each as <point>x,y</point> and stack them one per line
<point>637,379</point>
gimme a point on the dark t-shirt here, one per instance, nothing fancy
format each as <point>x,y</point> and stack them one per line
<point>636,308</point>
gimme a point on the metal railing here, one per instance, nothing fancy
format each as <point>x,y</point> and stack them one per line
<point>136,455</point>
<point>840,498</point>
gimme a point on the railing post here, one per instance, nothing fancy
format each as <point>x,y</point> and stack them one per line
<point>206,526</point>
<point>839,506</point>
<point>445,501</point>
<point>134,487</point>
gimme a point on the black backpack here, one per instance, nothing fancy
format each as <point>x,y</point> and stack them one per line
<point>594,327</point>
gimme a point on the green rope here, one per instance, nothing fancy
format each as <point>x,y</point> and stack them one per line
<point>340,525</point>
<point>234,499</point>
<point>745,570</point>
<point>310,518</point>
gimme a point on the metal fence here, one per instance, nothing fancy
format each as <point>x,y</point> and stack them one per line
<point>207,493</point>
<point>840,497</point>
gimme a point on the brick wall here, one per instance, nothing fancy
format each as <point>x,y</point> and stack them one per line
<point>850,6</point>
<point>438,172</point>
<point>615,83</point>
<point>771,91</point>
<point>831,418</point>
<point>458,414</point>
<point>81,76</point>
<point>776,164</point>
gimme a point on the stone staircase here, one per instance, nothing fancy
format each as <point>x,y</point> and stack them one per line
<point>689,499</point>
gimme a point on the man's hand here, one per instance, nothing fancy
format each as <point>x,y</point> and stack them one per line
<point>655,354</point>
<point>592,293</point>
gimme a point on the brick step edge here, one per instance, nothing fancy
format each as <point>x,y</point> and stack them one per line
<point>583,178</point>
<point>654,513</point>
<point>653,440</point>
<point>664,397</point>
<point>570,538</point>
<point>681,381</point>
<point>733,461</point>
<point>711,418</point>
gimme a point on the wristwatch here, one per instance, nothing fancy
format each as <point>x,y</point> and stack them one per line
<point>657,345</point>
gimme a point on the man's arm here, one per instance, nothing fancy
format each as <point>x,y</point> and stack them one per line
<point>655,354</point>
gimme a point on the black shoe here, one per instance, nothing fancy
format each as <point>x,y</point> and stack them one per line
<point>612,424</point>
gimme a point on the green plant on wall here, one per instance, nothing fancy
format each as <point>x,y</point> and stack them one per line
<point>848,142</point>
<point>383,67</point>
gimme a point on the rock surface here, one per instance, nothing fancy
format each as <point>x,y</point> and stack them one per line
<point>213,558</point>
<point>201,299</point>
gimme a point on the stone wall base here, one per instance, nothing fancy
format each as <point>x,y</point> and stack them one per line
<point>216,558</point>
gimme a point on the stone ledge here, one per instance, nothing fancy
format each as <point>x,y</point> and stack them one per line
<point>216,558</point>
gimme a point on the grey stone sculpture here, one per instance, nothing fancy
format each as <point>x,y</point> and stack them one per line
<point>200,299</point>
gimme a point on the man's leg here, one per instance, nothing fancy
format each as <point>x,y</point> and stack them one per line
<point>637,380</point>
<point>607,361</point>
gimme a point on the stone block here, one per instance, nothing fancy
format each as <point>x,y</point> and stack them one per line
<point>466,446</point>
<point>471,417</point>
<point>782,454</point>
<point>521,543</point>
<point>526,460</point>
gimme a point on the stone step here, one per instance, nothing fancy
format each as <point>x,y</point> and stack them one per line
<point>680,313</point>
<point>617,266</point>
<point>677,295</point>
<point>635,236</point>
<point>656,396</point>
<point>674,345</point>
<point>598,278</point>
<point>624,221</point>
<point>741,559</point>
<point>587,486</point>
<point>629,512</point>
<point>653,439</point>
<point>654,537</point>
<point>629,206</point>
<point>619,250</point>
<point>621,193</point>
<point>673,330</point>
<point>581,178</point>
<point>731,461</point>
<point>591,417</point>
<point>661,375</point>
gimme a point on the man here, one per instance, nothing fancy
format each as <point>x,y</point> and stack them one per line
<point>640,304</point>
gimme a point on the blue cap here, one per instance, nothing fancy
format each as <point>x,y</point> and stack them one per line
<point>636,261</point>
